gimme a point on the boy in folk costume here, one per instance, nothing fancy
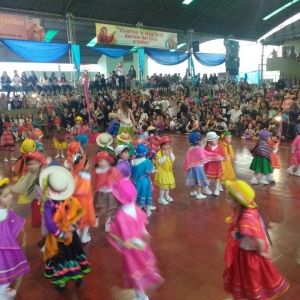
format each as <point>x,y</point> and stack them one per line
<point>79,132</point>
<point>64,256</point>
<point>37,135</point>
<point>249,271</point>
<point>228,171</point>
<point>84,194</point>
<point>129,236</point>
<point>59,138</point>
<point>261,162</point>
<point>194,162</point>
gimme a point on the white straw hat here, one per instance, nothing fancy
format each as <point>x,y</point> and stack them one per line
<point>211,136</point>
<point>61,184</point>
<point>104,139</point>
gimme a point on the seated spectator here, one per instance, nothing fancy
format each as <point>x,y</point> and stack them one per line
<point>240,126</point>
<point>160,123</point>
<point>173,124</point>
<point>64,100</point>
<point>5,83</point>
<point>231,127</point>
<point>64,83</point>
<point>3,102</point>
<point>41,116</point>
<point>193,125</point>
<point>33,101</point>
<point>210,124</point>
<point>84,115</point>
<point>264,122</point>
<point>25,103</point>
<point>45,83</point>
<point>16,83</point>
<point>33,83</point>
<point>55,87</point>
<point>16,103</point>
<point>181,128</point>
<point>25,82</point>
<point>220,126</point>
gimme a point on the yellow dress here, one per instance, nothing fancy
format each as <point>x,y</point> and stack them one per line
<point>226,165</point>
<point>164,178</point>
<point>57,145</point>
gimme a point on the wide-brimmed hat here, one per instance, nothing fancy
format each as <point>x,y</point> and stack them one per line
<point>264,134</point>
<point>104,139</point>
<point>78,118</point>
<point>112,115</point>
<point>124,137</point>
<point>4,181</point>
<point>150,128</point>
<point>27,146</point>
<point>195,137</point>
<point>241,192</point>
<point>104,155</point>
<point>120,148</point>
<point>211,136</point>
<point>165,139</point>
<point>57,182</point>
<point>36,156</point>
<point>124,191</point>
<point>141,150</point>
<point>6,124</point>
<point>36,123</point>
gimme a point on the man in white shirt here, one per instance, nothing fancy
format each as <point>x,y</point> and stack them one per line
<point>121,72</point>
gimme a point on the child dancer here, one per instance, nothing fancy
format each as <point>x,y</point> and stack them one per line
<point>37,135</point>
<point>225,143</point>
<point>105,175</point>
<point>141,167</point>
<point>274,145</point>
<point>164,177</point>
<point>213,170</point>
<point>194,161</point>
<point>64,256</point>
<point>249,272</point>
<point>261,162</point>
<point>80,131</point>
<point>59,139</point>
<point>130,237</point>
<point>295,158</point>
<point>83,193</point>
<point>73,148</point>
<point>122,154</point>
<point>28,185</point>
<point>7,142</point>
<point>153,142</point>
<point>13,262</point>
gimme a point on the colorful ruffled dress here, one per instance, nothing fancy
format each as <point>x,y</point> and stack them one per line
<point>213,169</point>
<point>126,234</point>
<point>194,162</point>
<point>275,163</point>
<point>13,262</point>
<point>80,134</point>
<point>7,141</point>
<point>261,162</point>
<point>37,135</point>
<point>164,178</point>
<point>140,170</point>
<point>65,259</point>
<point>59,138</point>
<point>247,274</point>
<point>228,172</point>
<point>153,142</point>
<point>295,159</point>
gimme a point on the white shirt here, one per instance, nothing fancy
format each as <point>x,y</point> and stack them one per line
<point>120,71</point>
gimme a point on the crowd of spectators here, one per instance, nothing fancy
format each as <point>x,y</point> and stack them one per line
<point>172,103</point>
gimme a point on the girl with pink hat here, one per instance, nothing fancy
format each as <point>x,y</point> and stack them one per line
<point>129,236</point>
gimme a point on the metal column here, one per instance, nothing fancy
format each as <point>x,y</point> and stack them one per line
<point>70,24</point>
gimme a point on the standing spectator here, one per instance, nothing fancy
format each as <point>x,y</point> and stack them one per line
<point>103,83</point>
<point>121,72</point>
<point>33,83</point>
<point>5,83</point>
<point>54,83</point>
<point>132,76</point>
<point>96,84</point>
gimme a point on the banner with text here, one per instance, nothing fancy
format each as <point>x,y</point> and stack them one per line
<point>130,36</point>
<point>21,28</point>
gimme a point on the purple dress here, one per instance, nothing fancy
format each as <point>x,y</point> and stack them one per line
<point>13,262</point>
<point>124,167</point>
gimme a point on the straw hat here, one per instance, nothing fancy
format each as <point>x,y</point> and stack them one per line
<point>241,192</point>
<point>165,139</point>
<point>211,136</point>
<point>124,137</point>
<point>112,115</point>
<point>27,146</point>
<point>120,148</point>
<point>124,191</point>
<point>104,139</point>
<point>150,128</point>
<point>60,183</point>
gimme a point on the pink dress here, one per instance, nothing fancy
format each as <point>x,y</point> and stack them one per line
<point>139,265</point>
<point>295,159</point>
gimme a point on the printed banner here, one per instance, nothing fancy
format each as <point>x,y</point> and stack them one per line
<point>223,74</point>
<point>130,36</point>
<point>21,28</point>
<point>232,57</point>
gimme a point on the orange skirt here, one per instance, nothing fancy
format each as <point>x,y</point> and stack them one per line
<point>275,163</point>
<point>86,202</point>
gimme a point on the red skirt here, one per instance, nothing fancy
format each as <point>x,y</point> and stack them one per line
<point>213,170</point>
<point>275,163</point>
<point>93,137</point>
<point>253,277</point>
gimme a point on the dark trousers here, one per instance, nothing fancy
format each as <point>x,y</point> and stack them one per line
<point>55,88</point>
<point>122,82</point>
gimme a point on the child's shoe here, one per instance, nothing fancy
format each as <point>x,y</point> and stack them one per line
<point>193,193</point>
<point>207,191</point>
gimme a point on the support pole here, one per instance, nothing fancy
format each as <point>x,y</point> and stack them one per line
<point>70,24</point>
<point>262,64</point>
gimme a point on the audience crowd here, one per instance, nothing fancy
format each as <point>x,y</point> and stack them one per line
<point>169,103</point>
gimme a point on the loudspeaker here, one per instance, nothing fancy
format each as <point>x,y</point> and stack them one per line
<point>195,46</point>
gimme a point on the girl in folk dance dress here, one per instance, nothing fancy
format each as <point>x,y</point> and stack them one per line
<point>7,142</point>
<point>13,263</point>
<point>129,236</point>
<point>164,177</point>
<point>213,170</point>
<point>249,271</point>
<point>295,158</point>
<point>225,143</point>
<point>194,162</point>
<point>79,132</point>
<point>59,139</point>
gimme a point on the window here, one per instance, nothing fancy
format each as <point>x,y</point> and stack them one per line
<point>128,57</point>
<point>288,49</point>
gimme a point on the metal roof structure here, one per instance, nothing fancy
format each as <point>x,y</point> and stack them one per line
<point>209,19</point>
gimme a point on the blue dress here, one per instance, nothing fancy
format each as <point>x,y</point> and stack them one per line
<point>140,177</point>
